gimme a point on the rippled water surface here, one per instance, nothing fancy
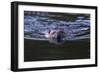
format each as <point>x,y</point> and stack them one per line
<point>37,24</point>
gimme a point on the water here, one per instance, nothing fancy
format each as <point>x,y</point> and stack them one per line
<point>37,24</point>
<point>76,44</point>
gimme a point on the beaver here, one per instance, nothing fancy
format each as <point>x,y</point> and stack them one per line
<point>56,36</point>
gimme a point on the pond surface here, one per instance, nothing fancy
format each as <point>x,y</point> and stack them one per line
<point>37,24</point>
<point>77,36</point>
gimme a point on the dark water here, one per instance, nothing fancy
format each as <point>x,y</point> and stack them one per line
<point>43,50</point>
<point>77,41</point>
